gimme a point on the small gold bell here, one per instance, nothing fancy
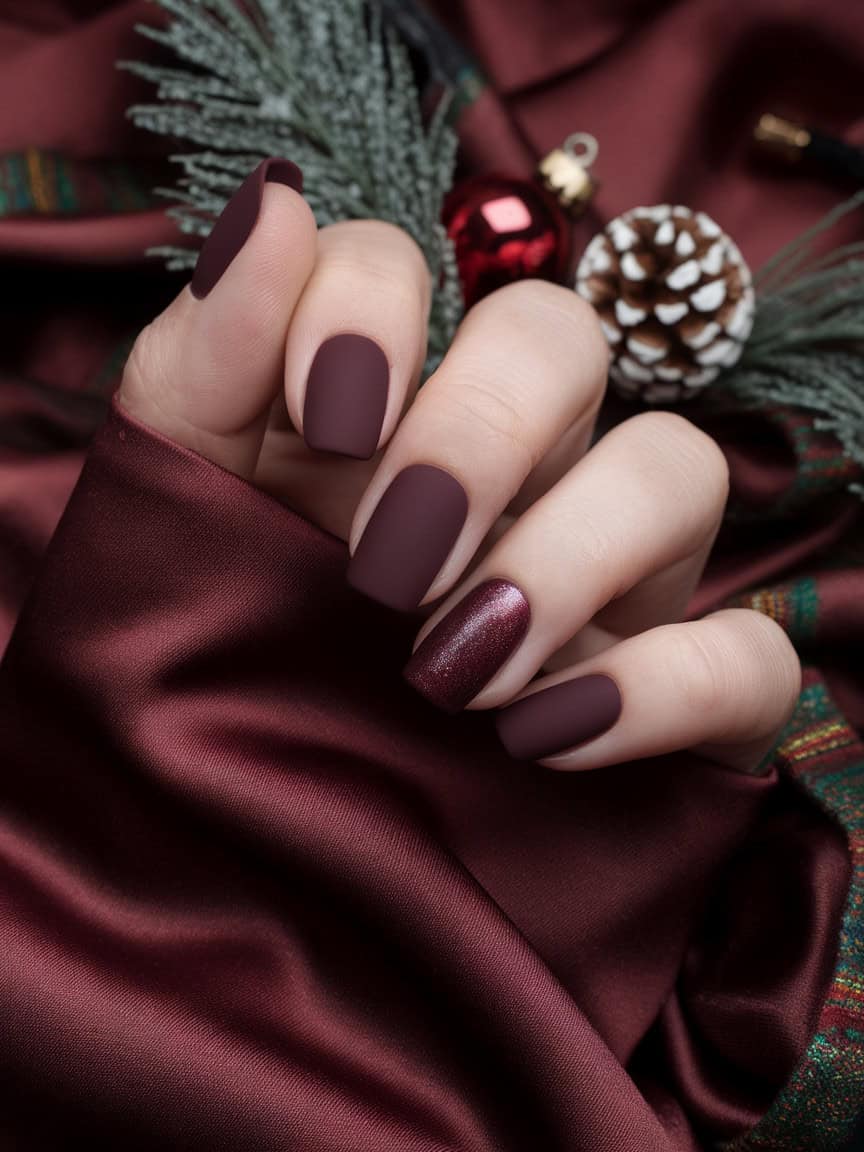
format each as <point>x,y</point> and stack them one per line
<point>566,172</point>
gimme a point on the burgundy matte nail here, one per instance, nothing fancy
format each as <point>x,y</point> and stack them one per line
<point>346,395</point>
<point>238,218</point>
<point>410,535</point>
<point>473,641</point>
<point>558,718</point>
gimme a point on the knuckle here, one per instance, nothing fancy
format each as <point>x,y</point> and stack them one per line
<point>671,435</point>
<point>563,330</point>
<point>493,416</point>
<point>377,250</point>
<point>697,671</point>
<point>542,296</point>
<point>558,313</point>
<point>762,669</point>
<point>775,668</point>
<point>679,458</point>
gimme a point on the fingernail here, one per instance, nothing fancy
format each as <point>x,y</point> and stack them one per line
<point>558,718</point>
<point>235,224</point>
<point>346,395</point>
<point>464,650</point>
<point>410,535</point>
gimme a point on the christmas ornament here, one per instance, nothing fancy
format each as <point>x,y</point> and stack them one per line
<point>505,229</point>
<point>566,171</point>
<point>323,82</point>
<point>675,300</point>
<point>502,230</point>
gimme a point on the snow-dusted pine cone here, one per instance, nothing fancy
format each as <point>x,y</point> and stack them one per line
<point>675,300</point>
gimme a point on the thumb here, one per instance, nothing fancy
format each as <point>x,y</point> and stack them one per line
<point>205,371</point>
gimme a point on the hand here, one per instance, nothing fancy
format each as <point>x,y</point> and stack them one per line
<point>552,557</point>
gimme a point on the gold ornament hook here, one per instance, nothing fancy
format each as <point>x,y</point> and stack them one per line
<point>566,171</point>
<point>583,147</point>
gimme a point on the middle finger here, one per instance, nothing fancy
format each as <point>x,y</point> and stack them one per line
<point>527,364</point>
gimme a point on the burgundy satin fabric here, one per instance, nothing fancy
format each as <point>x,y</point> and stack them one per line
<point>253,892</point>
<point>257,893</point>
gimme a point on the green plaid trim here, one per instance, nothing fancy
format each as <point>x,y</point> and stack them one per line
<point>794,605</point>
<point>818,1109</point>
<point>43,183</point>
<point>821,466</point>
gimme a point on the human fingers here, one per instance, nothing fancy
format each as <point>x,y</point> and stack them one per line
<point>205,371</point>
<point>644,501</point>
<point>357,339</point>
<point>724,686</point>
<point>527,364</point>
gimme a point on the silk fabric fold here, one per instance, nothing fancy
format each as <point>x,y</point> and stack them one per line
<point>253,892</point>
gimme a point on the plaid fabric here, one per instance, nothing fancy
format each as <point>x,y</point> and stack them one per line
<point>820,467</point>
<point>794,606</point>
<point>817,1110</point>
<point>37,183</point>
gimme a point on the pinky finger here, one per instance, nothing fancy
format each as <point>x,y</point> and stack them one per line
<point>724,685</point>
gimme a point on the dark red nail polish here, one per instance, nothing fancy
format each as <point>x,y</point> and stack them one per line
<point>474,640</point>
<point>346,396</point>
<point>558,718</point>
<point>410,535</point>
<point>235,224</point>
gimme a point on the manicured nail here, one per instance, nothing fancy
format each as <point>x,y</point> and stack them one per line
<point>234,226</point>
<point>346,395</point>
<point>410,535</point>
<point>558,718</point>
<point>474,640</point>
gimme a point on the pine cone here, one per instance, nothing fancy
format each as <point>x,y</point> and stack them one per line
<point>675,300</point>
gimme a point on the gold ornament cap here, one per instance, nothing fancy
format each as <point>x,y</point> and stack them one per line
<point>565,172</point>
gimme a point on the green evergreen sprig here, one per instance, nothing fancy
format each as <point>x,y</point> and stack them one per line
<point>807,345</point>
<point>325,83</point>
<point>329,84</point>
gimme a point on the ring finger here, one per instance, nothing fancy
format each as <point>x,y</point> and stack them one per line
<point>642,503</point>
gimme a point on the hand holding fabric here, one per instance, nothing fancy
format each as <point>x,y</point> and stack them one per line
<point>293,360</point>
<point>257,894</point>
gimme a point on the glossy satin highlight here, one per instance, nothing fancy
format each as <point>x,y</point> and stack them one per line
<point>301,903</point>
<point>255,894</point>
<point>473,642</point>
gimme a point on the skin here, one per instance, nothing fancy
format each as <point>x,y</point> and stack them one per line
<point>607,543</point>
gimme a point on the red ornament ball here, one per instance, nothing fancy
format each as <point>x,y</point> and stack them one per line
<point>503,230</point>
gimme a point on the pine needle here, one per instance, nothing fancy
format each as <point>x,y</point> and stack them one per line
<point>807,345</point>
<point>329,85</point>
